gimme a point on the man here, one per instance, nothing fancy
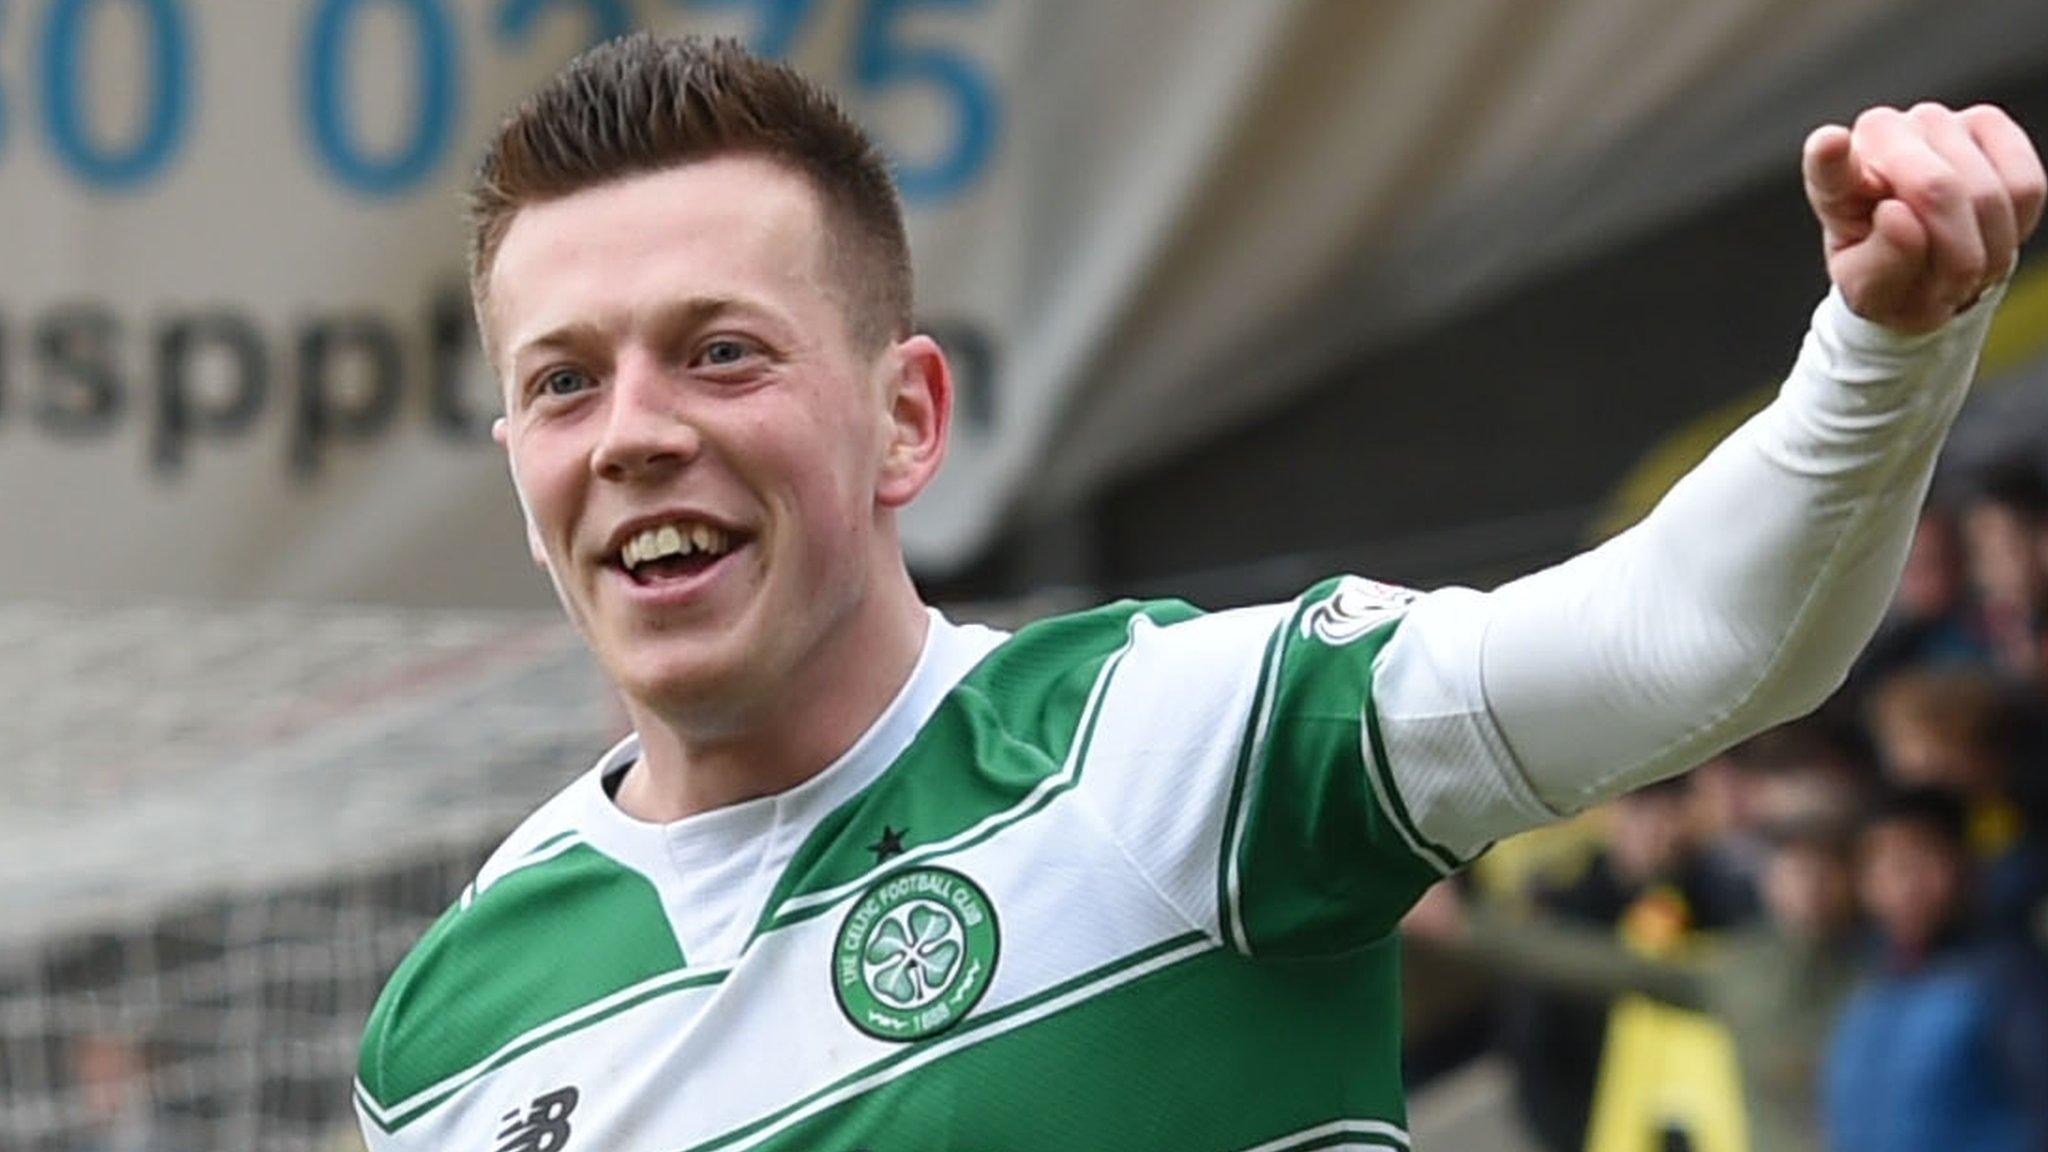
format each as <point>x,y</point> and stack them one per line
<point>1649,883</point>
<point>863,878</point>
<point>1945,1045</point>
<point>2005,531</point>
<point>1775,986</point>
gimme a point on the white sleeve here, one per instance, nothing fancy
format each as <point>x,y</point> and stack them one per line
<point>1738,603</point>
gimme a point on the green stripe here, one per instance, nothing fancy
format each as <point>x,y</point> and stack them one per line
<point>507,1055</point>
<point>1013,724</point>
<point>1033,803</point>
<point>1212,1051</point>
<point>1323,863</point>
<point>1443,858</point>
<point>973,1025</point>
<point>1227,848</point>
<point>544,941</point>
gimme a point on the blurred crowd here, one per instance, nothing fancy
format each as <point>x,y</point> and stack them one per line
<point>1833,936</point>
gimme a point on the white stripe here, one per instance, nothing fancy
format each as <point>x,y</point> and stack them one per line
<point>933,1052</point>
<point>1379,791</point>
<point>470,893</point>
<point>1233,882</point>
<point>1378,1128</point>
<point>1064,775</point>
<point>596,1007</point>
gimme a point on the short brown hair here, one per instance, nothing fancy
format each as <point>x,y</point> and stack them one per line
<point>1963,707</point>
<point>640,104</point>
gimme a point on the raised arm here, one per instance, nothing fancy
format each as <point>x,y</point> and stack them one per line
<point>1741,600</point>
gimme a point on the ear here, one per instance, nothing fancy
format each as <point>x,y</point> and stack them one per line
<point>501,434</point>
<point>918,420</point>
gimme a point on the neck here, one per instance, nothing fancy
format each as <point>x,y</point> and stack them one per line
<point>814,716</point>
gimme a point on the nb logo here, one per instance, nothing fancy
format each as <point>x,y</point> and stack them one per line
<point>543,1127</point>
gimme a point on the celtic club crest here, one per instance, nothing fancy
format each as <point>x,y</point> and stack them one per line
<point>1354,608</point>
<point>915,954</point>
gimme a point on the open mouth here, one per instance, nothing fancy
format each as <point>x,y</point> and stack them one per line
<point>675,551</point>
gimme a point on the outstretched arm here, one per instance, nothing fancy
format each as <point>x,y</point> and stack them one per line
<point>1289,777</point>
<point>1742,599</point>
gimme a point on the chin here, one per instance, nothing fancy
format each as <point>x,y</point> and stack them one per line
<point>684,676</point>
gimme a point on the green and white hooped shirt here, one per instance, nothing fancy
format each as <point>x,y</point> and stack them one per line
<point>1125,879</point>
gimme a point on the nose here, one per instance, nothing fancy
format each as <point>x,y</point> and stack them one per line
<point>646,432</point>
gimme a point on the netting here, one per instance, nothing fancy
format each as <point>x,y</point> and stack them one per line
<point>223,828</point>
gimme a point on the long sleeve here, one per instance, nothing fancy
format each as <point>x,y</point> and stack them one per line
<point>1739,602</point>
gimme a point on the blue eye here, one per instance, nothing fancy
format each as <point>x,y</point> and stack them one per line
<point>562,382</point>
<point>723,352</point>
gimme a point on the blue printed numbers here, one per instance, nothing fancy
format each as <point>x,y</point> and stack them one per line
<point>885,63</point>
<point>67,44</point>
<point>351,53</point>
<point>607,18</point>
<point>882,61</point>
<point>327,92</point>
<point>777,23</point>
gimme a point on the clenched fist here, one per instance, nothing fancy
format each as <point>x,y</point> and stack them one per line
<point>1922,210</point>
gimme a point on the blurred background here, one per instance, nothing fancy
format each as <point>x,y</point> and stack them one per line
<point>1241,293</point>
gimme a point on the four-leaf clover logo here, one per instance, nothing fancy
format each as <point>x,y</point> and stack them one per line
<point>914,953</point>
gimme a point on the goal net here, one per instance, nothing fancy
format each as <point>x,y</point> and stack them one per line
<point>220,829</point>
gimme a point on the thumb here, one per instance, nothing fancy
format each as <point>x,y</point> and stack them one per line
<point>1880,271</point>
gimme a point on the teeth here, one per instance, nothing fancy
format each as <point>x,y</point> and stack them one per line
<point>679,539</point>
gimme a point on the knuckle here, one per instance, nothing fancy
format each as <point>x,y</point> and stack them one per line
<point>1930,112</point>
<point>1937,190</point>
<point>1873,116</point>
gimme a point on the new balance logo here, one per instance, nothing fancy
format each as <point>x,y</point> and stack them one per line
<point>543,1127</point>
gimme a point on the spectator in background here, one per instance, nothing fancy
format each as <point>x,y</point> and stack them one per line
<point>1650,882</point>
<point>1775,985</point>
<point>1946,1044</point>
<point>2005,528</point>
<point>1932,620</point>
<point>1958,729</point>
<point>1794,774</point>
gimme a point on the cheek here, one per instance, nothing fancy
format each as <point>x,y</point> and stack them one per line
<point>547,483</point>
<point>823,467</point>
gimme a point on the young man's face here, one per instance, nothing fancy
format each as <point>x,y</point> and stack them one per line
<point>1809,891</point>
<point>1912,881</point>
<point>1650,835</point>
<point>675,354</point>
<point>2004,554</point>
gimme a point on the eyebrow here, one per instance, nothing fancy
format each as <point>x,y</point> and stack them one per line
<point>679,315</point>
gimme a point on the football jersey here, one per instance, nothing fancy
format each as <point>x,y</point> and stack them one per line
<point>1125,879</point>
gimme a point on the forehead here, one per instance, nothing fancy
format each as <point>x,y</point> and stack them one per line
<point>1905,835</point>
<point>734,227</point>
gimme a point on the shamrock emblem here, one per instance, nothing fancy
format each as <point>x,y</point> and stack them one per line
<point>914,954</point>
